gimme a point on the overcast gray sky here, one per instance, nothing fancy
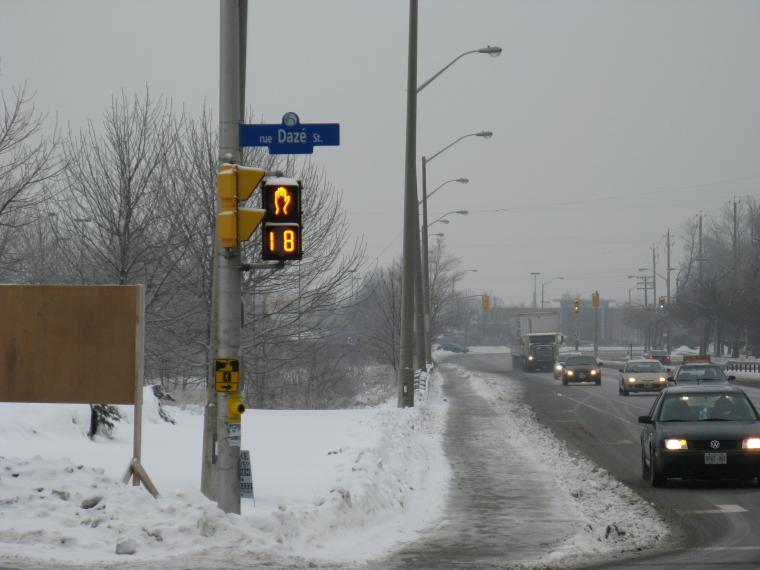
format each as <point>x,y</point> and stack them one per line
<point>613,120</point>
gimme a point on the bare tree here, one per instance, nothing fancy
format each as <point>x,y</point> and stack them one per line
<point>28,160</point>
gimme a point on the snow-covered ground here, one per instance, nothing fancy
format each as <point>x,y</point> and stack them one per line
<point>339,485</point>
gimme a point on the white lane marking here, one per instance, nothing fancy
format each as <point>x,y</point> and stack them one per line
<point>601,411</point>
<point>721,510</point>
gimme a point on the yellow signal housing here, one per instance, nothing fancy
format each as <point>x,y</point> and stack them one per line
<point>248,179</point>
<point>485,301</point>
<point>235,184</point>
<point>248,219</point>
<point>226,220</point>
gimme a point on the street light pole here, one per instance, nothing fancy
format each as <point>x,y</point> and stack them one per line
<point>535,274</point>
<point>544,283</point>
<point>406,369</point>
<point>424,236</point>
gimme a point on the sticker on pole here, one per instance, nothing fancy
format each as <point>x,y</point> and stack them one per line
<point>291,136</point>
<point>246,475</point>
<point>227,375</point>
<point>233,435</point>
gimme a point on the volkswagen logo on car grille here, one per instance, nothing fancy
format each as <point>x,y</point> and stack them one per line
<point>715,444</point>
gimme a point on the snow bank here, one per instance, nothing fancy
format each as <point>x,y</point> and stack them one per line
<point>613,519</point>
<point>338,485</point>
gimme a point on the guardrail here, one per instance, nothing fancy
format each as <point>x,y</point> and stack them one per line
<point>743,365</point>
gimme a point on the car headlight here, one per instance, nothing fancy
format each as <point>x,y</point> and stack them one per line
<point>557,367</point>
<point>662,379</point>
<point>632,379</point>
<point>570,373</point>
<point>676,444</point>
<point>594,372</point>
<point>751,443</point>
<point>530,358</point>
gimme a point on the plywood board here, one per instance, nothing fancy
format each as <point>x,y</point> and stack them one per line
<point>69,343</point>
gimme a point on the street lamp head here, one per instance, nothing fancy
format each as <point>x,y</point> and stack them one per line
<point>445,221</point>
<point>484,134</point>
<point>493,51</point>
<point>463,212</point>
<point>463,180</point>
<point>440,235</point>
<point>535,273</point>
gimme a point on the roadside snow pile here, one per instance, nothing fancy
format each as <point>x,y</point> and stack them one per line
<point>343,485</point>
<point>613,519</point>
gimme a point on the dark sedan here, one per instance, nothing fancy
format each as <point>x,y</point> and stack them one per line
<point>581,369</point>
<point>700,432</point>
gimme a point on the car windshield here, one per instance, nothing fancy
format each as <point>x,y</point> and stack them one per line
<point>581,361</point>
<point>699,373</point>
<point>649,366</point>
<point>707,406</point>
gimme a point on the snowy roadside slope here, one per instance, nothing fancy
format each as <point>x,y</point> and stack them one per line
<point>338,486</point>
<point>613,519</point>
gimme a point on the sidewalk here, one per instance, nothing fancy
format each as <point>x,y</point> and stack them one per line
<point>502,508</point>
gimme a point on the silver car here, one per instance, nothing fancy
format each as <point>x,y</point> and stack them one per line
<point>643,375</point>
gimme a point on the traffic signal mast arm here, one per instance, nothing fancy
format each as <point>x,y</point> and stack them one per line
<point>235,184</point>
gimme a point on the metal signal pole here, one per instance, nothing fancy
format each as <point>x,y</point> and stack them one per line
<point>227,443</point>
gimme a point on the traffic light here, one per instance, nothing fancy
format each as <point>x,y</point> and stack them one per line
<point>661,303</point>
<point>576,306</point>
<point>281,230</point>
<point>485,301</point>
<point>235,184</point>
<point>595,299</point>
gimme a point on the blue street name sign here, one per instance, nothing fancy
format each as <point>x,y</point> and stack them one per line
<point>290,137</point>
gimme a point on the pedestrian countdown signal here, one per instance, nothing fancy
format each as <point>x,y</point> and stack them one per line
<point>281,228</point>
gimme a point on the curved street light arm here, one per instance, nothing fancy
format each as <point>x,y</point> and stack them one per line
<point>460,180</point>
<point>452,62</point>
<point>448,146</point>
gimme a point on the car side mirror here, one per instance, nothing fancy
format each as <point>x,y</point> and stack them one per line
<point>620,369</point>
<point>671,379</point>
<point>731,378</point>
<point>645,419</point>
<point>600,363</point>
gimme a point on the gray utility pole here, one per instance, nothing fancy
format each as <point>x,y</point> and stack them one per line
<point>406,369</point>
<point>420,333</point>
<point>703,336</point>
<point>668,269</point>
<point>535,274</point>
<point>655,300</point>
<point>426,265</point>
<point>227,444</point>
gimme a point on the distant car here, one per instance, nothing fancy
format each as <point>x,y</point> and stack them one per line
<point>581,369</point>
<point>453,347</point>
<point>642,376</point>
<point>699,432</point>
<point>661,355</point>
<point>699,373</point>
<point>560,363</point>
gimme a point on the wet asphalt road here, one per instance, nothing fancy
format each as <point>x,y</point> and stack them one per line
<point>716,524</point>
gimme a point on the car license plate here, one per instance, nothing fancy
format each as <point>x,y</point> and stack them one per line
<point>715,459</point>
<point>581,376</point>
